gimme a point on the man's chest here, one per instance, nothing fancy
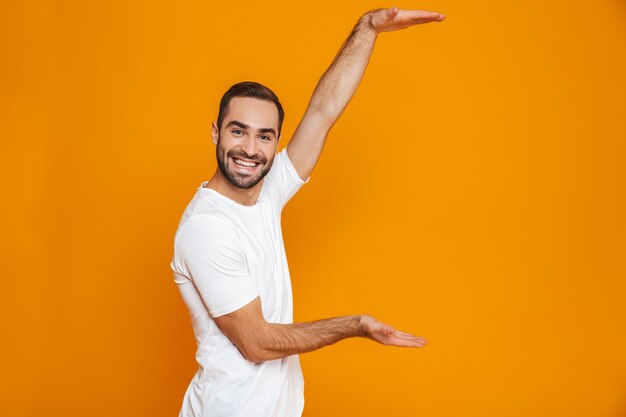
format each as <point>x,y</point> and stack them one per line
<point>263,249</point>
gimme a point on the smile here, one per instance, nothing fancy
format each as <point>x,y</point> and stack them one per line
<point>247,164</point>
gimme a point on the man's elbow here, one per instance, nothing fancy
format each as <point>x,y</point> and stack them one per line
<point>252,348</point>
<point>255,354</point>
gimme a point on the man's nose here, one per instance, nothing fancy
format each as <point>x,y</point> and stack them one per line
<point>249,146</point>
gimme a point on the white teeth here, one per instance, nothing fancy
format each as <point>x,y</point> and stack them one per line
<point>244,163</point>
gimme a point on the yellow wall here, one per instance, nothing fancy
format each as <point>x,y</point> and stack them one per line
<point>483,210</point>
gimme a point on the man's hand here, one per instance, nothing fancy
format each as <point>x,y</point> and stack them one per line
<point>387,20</point>
<point>387,335</point>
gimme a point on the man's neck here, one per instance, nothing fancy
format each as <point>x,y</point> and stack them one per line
<point>246,197</point>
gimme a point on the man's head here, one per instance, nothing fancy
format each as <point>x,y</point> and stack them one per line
<point>247,132</point>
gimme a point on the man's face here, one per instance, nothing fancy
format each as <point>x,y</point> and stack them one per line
<point>247,142</point>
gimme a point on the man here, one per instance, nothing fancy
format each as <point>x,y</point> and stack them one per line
<point>229,259</point>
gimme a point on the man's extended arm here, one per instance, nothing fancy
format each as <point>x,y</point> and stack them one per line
<point>260,341</point>
<point>340,81</point>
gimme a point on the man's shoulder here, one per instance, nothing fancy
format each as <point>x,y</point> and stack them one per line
<point>207,235</point>
<point>209,209</point>
<point>213,221</point>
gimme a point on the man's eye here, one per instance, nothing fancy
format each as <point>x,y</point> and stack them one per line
<point>237,131</point>
<point>266,137</point>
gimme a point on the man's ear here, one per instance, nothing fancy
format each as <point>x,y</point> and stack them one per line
<point>214,133</point>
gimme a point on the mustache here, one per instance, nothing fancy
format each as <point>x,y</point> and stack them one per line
<point>243,155</point>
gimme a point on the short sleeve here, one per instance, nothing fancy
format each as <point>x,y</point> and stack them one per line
<point>212,256</point>
<point>284,179</point>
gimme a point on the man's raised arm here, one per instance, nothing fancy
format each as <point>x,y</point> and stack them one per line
<point>340,81</point>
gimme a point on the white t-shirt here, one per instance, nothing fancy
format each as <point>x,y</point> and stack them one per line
<point>225,255</point>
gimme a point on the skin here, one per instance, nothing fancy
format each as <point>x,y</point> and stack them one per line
<point>252,143</point>
<point>246,327</point>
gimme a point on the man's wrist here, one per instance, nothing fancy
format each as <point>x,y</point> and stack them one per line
<point>358,325</point>
<point>365,22</point>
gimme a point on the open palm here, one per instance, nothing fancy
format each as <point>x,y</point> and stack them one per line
<point>387,335</point>
<point>387,20</point>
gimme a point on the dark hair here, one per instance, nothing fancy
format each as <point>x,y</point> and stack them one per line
<point>249,89</point>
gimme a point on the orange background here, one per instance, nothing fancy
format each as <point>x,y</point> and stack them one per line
<point>471,193</point>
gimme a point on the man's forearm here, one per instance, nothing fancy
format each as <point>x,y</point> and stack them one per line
<point>280,340</point>
<point>340,81</point>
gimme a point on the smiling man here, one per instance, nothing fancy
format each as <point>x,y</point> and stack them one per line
<point>229,258</point>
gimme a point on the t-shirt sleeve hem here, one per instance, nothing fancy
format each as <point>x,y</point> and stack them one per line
<point>180,278</point>
<point>292,170</point>
<point>233,307</point>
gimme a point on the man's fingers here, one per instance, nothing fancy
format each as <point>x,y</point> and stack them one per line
<point>407,336</point>
<point>392,19</point>
<point>419,16</point>
<point>398,338</point>
<point>418,20</point>
<point>415,342</point>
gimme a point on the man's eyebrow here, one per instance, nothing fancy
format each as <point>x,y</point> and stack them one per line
<point>245,126</point>
<point>267,130</point>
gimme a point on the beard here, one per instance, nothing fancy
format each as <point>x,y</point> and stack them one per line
<point>239,179</point>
